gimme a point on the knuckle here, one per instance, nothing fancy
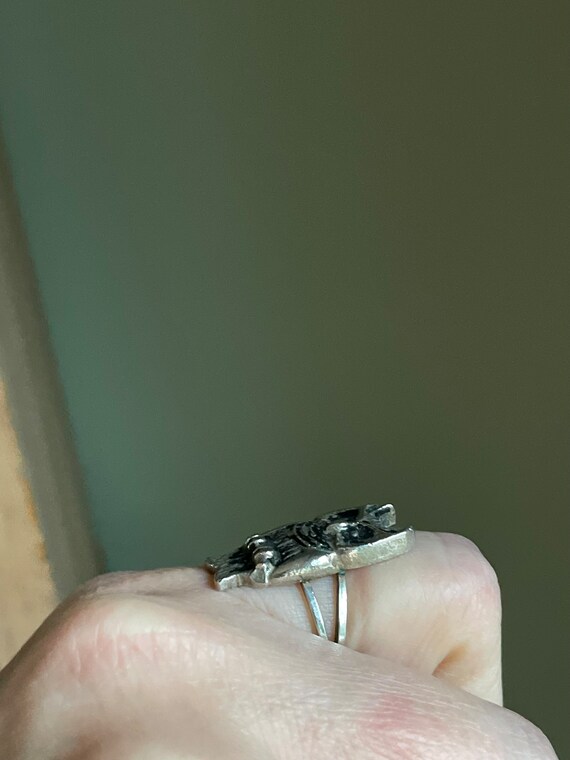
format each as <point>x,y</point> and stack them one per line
<point>120,645</point>
<point>107,630</point>
<point>87,590</point>
<point>162,580</point>
<point>534,741</point>
<point>91,635</point>
<point>473,571</point>
<point>107,582</point>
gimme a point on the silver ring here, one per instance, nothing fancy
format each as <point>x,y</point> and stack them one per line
<point>301,552</point>
<point>341,609</point>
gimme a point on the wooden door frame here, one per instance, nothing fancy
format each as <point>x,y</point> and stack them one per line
<point>28,369</point>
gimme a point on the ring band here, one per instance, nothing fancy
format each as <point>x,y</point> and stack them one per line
<point>301,552</point>
<point>339,632</point>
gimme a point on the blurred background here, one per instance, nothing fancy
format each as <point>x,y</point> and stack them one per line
<point>298,256</point>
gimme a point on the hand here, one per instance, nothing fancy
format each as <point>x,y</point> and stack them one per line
<point>160,666</point>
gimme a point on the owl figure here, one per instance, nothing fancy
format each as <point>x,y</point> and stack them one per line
<point>303,551</point>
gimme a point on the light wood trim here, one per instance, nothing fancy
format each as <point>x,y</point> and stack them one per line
<point>37,408</point>
<point>27,593</point>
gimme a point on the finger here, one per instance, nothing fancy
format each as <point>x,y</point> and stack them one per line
<point>310,699</point>
<point>200,673</point>
<point>436,609</point>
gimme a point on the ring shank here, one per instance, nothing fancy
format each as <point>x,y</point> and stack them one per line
<point>341,609</point>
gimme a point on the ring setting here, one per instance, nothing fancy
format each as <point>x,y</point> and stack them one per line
<point>301,552</point>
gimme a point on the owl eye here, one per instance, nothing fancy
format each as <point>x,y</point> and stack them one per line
<point>265,555</point>
<point>350,533</point>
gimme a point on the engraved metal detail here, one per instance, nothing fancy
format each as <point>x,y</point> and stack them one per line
<point>302,551</point>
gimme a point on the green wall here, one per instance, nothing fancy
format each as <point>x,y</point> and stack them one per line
<point>296,256</point>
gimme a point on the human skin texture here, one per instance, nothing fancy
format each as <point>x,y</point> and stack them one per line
<point>160,666</point>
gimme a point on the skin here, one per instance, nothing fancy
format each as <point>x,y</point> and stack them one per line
<point>160,666</point>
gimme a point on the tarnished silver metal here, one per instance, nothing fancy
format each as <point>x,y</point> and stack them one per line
<point>303,551</point>
<point>341,608</point>
<point>339,631</point>
<point>315,610</point>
